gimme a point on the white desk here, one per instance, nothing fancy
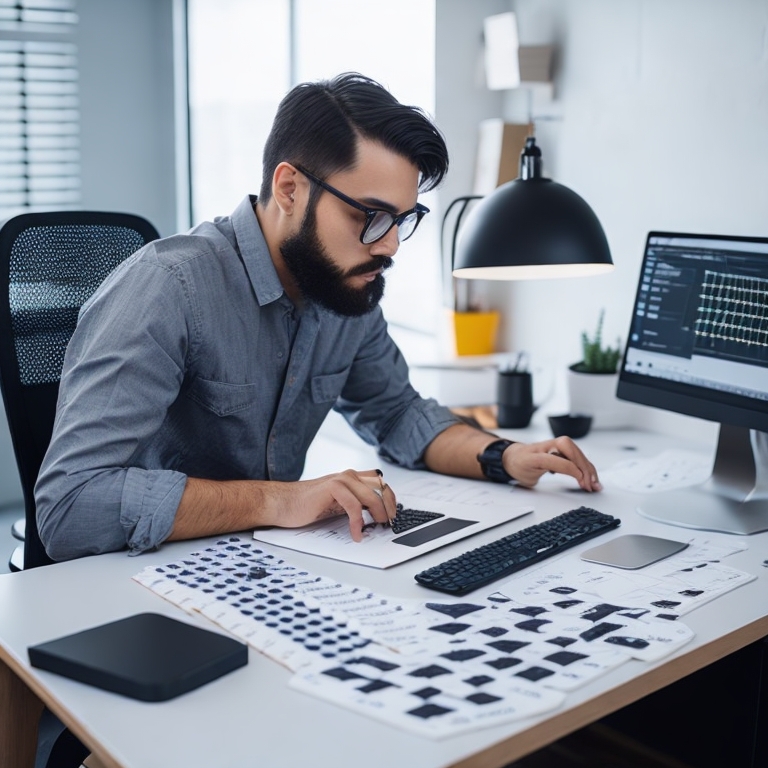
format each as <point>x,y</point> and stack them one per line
<point>251,717</point>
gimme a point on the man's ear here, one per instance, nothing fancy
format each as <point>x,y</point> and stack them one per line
<point>286,183</point>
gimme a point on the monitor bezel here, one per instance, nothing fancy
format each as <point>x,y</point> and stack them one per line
<point>689,399</point>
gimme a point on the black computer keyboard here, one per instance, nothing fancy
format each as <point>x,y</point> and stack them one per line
<point>499,558</point>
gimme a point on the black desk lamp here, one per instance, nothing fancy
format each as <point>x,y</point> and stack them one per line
<point>529,228</point>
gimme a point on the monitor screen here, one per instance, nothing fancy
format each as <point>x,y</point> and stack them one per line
<point>698,345</point>
<point>698,340</point>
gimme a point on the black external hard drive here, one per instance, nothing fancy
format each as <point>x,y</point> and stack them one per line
<point>147,656</point>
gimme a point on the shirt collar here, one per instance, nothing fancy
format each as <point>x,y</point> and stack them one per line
<point>255,253</point>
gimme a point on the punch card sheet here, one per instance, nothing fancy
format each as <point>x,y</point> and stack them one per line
<point>436,667</point>
<point>442,667</point>
<point>665,590</point>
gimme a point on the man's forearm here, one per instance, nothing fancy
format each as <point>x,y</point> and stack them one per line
<point>454,451</point>
<point>212,507</point>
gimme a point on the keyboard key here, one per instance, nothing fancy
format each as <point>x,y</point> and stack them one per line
<point>405,519</point>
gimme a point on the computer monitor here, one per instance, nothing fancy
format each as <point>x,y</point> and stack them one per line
<point>698,345</point>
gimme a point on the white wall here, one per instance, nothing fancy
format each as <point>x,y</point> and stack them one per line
<point>127,108</point>
<point>660,121</point>
<point>461,98</point>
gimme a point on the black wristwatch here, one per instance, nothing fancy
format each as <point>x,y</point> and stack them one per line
<point>491,464</point>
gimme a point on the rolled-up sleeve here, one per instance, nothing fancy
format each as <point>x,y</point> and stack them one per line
<point>123,369</point>
<point>380,404</point>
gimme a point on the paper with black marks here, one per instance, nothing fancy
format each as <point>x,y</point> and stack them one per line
<point>436,667</point>
<point>434,700</point>
<point>251,593</point>
<point>667,589</point>
<point>586,626</point>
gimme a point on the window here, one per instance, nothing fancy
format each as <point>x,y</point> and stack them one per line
<point>39,106</point>
<point>245,54</point>
<point>239,64</point>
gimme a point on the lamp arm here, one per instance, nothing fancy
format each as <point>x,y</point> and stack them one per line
<point>466,200</point>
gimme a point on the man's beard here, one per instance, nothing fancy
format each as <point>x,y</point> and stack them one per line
<point>320,280</point>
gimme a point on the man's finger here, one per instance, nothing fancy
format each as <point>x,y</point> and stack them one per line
<point>354,510</point>
<point>559,464</point>
<point>355,491</point>
<point>377,497</point>
<point>390,502</point>
<point>576,466</point>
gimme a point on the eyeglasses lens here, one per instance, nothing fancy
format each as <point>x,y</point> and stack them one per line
<point>383,221</point>
<point>379,225</point>
<point>408,226</point>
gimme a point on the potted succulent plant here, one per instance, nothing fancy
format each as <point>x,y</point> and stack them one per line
<point>595,357</point>
<point>592,381</point>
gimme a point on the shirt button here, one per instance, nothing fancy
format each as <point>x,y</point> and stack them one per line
<point>280,355</point>
<point>292,380</point>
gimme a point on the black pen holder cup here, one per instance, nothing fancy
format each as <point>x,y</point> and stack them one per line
<point>514,399</point>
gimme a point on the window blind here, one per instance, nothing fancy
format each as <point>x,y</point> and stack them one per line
<point>39,106</point>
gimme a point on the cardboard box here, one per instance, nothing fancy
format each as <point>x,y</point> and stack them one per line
<point>535,63</point>
<point>498,153</point>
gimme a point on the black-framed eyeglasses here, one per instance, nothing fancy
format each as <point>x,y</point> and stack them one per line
<point>377,221</point>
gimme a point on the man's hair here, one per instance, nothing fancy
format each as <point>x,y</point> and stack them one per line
<point>318,125</point>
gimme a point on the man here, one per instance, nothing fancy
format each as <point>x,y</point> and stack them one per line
<point>202,368</point>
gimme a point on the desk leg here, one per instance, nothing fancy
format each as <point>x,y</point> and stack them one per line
<point>20,712</point>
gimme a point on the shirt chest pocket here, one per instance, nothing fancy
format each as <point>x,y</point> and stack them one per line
<point>327,388</point>
<point>221,398</point>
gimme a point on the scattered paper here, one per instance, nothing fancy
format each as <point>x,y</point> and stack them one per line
<point>443,666</point>
<point>665,472</point>
<point>667,589</point>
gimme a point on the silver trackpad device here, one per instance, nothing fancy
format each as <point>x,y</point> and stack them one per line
<point>633,551</point>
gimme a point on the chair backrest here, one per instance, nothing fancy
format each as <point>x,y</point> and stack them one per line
<point>50,264</point>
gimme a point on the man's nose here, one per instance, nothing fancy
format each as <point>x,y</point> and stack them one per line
<point>387,245</point>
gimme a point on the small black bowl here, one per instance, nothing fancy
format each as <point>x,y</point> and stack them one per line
<point>570,424</point>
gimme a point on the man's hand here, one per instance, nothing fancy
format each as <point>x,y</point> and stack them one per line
<point>213,507</point>
<point>527,462</point>
<point>455,450</point>
<point>343,493</point>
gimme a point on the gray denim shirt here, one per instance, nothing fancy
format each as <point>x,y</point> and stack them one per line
<point>190,361</point>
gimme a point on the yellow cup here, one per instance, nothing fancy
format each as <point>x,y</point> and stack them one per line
<point>475,332</point>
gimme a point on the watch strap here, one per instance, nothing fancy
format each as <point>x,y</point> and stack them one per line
<point>491,462</point>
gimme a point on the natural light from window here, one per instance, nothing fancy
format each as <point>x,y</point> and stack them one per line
<point>239,69</point>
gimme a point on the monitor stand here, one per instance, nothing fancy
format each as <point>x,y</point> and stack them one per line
<point>733,500</point>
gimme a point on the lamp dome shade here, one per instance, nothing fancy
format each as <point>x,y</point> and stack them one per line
<point>531,228</point>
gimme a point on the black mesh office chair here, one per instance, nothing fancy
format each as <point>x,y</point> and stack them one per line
<point>50,264</point>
